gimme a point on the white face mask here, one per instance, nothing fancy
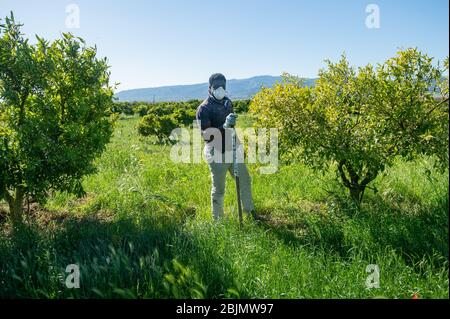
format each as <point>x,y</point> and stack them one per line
<point>219,93</point>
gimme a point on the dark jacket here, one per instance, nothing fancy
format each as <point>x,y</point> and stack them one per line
<point>212,113</point>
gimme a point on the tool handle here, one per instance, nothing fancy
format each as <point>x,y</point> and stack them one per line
<point>235,163</point>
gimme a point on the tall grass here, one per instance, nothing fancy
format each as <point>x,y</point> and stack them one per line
<point>145,231</point>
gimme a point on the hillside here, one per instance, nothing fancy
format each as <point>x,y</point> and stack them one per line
<point>238,89</point>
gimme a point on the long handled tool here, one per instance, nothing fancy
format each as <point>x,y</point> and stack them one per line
<point>236,169</point>
<point>236,174</point>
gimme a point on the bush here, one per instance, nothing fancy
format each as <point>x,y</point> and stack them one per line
<point>52,117</point>
<point>159,126</point>
<point>128,110</point>
<point>185,116</point>
<point>143,110</point>
<point>241,106</point>
<point>163,117</point>
<point>361,119</point>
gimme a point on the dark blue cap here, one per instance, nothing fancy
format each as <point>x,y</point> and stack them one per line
<point>217,80</point>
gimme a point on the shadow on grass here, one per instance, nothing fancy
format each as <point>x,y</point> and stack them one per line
<point>125,258</point>
<point>414,230</point>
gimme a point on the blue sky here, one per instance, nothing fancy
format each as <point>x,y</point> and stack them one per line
<point>167,42</point>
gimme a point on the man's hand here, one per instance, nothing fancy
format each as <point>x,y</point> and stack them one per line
<point>230,121</point>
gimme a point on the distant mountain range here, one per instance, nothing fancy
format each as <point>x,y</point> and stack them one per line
<point>237,89</point>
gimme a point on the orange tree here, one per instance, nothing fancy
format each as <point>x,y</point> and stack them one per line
<point>361,119</point>
<point>53,101</point>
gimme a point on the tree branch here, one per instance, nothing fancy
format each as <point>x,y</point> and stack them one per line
<point>7,196</point>
<point>23,100</point>
<point>342,173</point>
<point>437,105</point>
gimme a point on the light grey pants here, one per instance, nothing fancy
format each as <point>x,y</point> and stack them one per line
<point>218,176</point>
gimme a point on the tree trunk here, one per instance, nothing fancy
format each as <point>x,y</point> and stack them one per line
<point>352,182</point>
<point>15,206</point>
<point>356,193</point>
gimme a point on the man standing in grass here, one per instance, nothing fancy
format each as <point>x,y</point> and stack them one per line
<point>212,115</point>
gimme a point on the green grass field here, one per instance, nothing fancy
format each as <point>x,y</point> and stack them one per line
<point>145,230</point>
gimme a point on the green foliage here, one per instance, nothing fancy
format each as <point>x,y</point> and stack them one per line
<point>181,282</point>
<point>143,110</point>
<point>185,116</point>
<point>126,108</point>
<point>159,126</point>
<point>143,212</point>
<point>54,98</point>
<point>241,106</point>
<point>159,119</point>
<point>360,119</point>
<point>144,229</point>
<point>163,117</point>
